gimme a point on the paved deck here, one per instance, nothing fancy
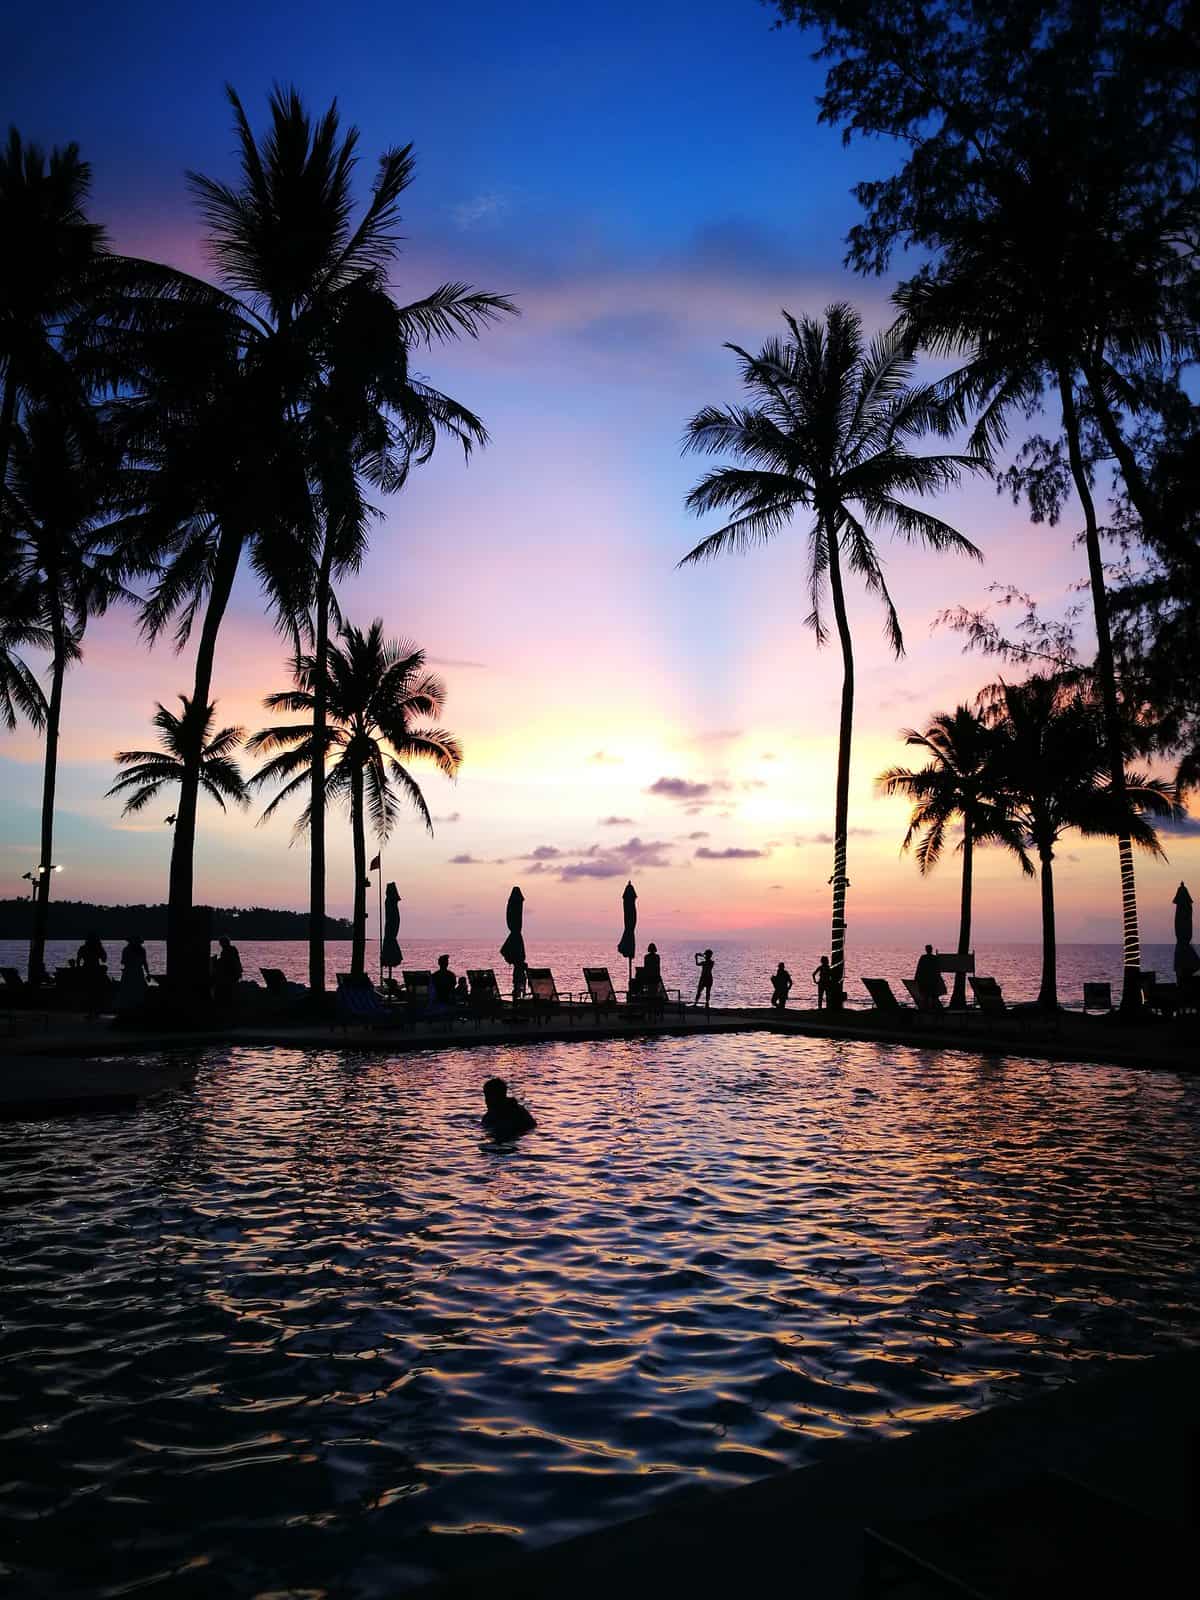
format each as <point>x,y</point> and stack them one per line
<point>1149,1043</point>
<point>1132,1434</point>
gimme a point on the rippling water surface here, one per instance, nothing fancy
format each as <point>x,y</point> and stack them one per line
<point>300,1330</point>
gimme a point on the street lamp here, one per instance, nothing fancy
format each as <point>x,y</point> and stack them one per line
<point>35,877</point>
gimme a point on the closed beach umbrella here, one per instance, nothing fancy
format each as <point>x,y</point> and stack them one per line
<point>391,955</point>
<point>1186,959</point>
<point>513,948</point>
<point>627,946</point>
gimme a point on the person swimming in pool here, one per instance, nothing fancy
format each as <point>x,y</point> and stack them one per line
<point>505,1117</point>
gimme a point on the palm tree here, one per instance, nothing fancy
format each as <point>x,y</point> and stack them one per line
<point>50,255</point>
<point>60,472</point>
<point>1042,285</point>
<point>1050,767</point>
<point>827,433</point>
<point>21,628</point>
<point>267,431</point>
<point>150,770</point>
<point>955,783</point>
<point>374,690</point>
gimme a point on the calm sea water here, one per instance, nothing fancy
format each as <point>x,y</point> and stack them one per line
<point>299,1330</point>
<point>743,968</point>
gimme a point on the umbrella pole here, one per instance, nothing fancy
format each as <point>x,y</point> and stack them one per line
<point>379,924</point>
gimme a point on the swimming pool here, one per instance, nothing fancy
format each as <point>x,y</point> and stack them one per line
<point>301,1329</point>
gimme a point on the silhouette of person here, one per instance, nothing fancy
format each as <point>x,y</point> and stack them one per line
<point>781,986</point>
<point>92,961</point>
<point>822,976</point>
<point>442,985</point>
<point>928,977</point>
<point>462,995</point>
<point>505,1117</point>
<point>704,960</point>
<point>227,971</point>
<point>131,995</point>
<point>519,971</point>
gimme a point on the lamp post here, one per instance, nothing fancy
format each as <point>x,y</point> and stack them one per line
<point>34,879</point>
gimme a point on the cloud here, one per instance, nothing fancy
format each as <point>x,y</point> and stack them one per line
<point>733,853</point>
<point>680,789</point>
<point>466,861</point>
<point>615,822</point>
<point>614,860</point>
<point>452,816</point>
<point>802,839</point>
<point>488,206</point>
<point>768,755</point>
<point>449,661</point>
<point>722,736</point>
<point>698,833</point>
<point>601,758</point>
<point>754,783</point>
<point>771,887</point>
<point>1177,825</point>
<point>543,852</point>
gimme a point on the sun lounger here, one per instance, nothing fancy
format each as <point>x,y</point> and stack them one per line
<point>416,990</point>
<point>884,1000</point>
<point>357,1005</point>
<point>1097,997</point>
<point>601,992</point>
<point>544,998</point>
<point>12,980</point>
<point>1162,998</point>
<point>929,1005</point>
<point>275,980</point>
<point>484,1002</point>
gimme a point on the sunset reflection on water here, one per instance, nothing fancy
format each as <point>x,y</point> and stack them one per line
<point>309,1295</point>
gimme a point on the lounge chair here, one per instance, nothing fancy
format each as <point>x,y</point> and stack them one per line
<point>885,1002</point>
<point>275,980</point>
<point>485,1002</point>
<point>416,991</point>
<point>929,1005</point>
<point>1097,997</point>
<point>1160,997</point>
<point>601,992</point>
<point>544,998</point>
<point>13,981</point>
<point>357,1005</point>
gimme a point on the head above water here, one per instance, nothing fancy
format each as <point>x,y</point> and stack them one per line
<point>495,1093</point>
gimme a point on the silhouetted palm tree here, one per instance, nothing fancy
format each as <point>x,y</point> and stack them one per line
<point>1050,767</point>
<point>1041,287</point>
<point>21,629</point>
<point>60,474</point>
<point>48,260</point>
<point>375,689</point>
<point>305,393</point>
<point>954,785</point>
<point>150,770</point>
<point>827,432</point>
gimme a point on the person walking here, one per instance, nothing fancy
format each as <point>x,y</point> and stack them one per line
<point>227,972</point>
<point>704,960</point>
<point>92,963</point>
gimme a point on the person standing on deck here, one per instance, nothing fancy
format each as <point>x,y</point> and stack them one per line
<point>781,987</point>
<point>928,976</point>
<point>822,976</point>
<point>704,960</point>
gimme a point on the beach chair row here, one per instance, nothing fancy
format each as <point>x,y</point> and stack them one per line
<point>359,1003</point>
<point>990,1004</point>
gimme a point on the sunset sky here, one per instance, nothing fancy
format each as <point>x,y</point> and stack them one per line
<point>647,182</point>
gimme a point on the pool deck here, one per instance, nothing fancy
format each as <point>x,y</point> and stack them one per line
<point>1172,1045</point>
<point>1131,1435</point>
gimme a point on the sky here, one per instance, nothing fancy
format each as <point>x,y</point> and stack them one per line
<point>647,183</point>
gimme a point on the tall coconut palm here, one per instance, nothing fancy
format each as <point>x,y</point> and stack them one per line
<point>60,475</point>
<point>1043,285</point>
<point>1051,768</point>
<point>956,784</point>
<point>151,770</point>
<point>21,629</point>
<point>306,393</point>
<point>375,689</point>
<point>827,432</point>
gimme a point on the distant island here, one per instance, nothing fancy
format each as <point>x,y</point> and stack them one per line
<point>75,919</point>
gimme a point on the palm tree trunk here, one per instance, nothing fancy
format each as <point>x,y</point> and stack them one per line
<point>1131,988</point>
<point>316,830</point>
<point>183,974</point>
<point>837,936</point>
<point>958,996</point>
<point>1131,472</point>
<point>358,953</point>
<point>41,902</point>
<point>1048,993</point>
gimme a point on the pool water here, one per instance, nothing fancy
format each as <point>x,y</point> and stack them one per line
<point>302,1330</point>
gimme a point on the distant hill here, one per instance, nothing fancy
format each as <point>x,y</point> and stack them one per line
<point>75,919</point>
